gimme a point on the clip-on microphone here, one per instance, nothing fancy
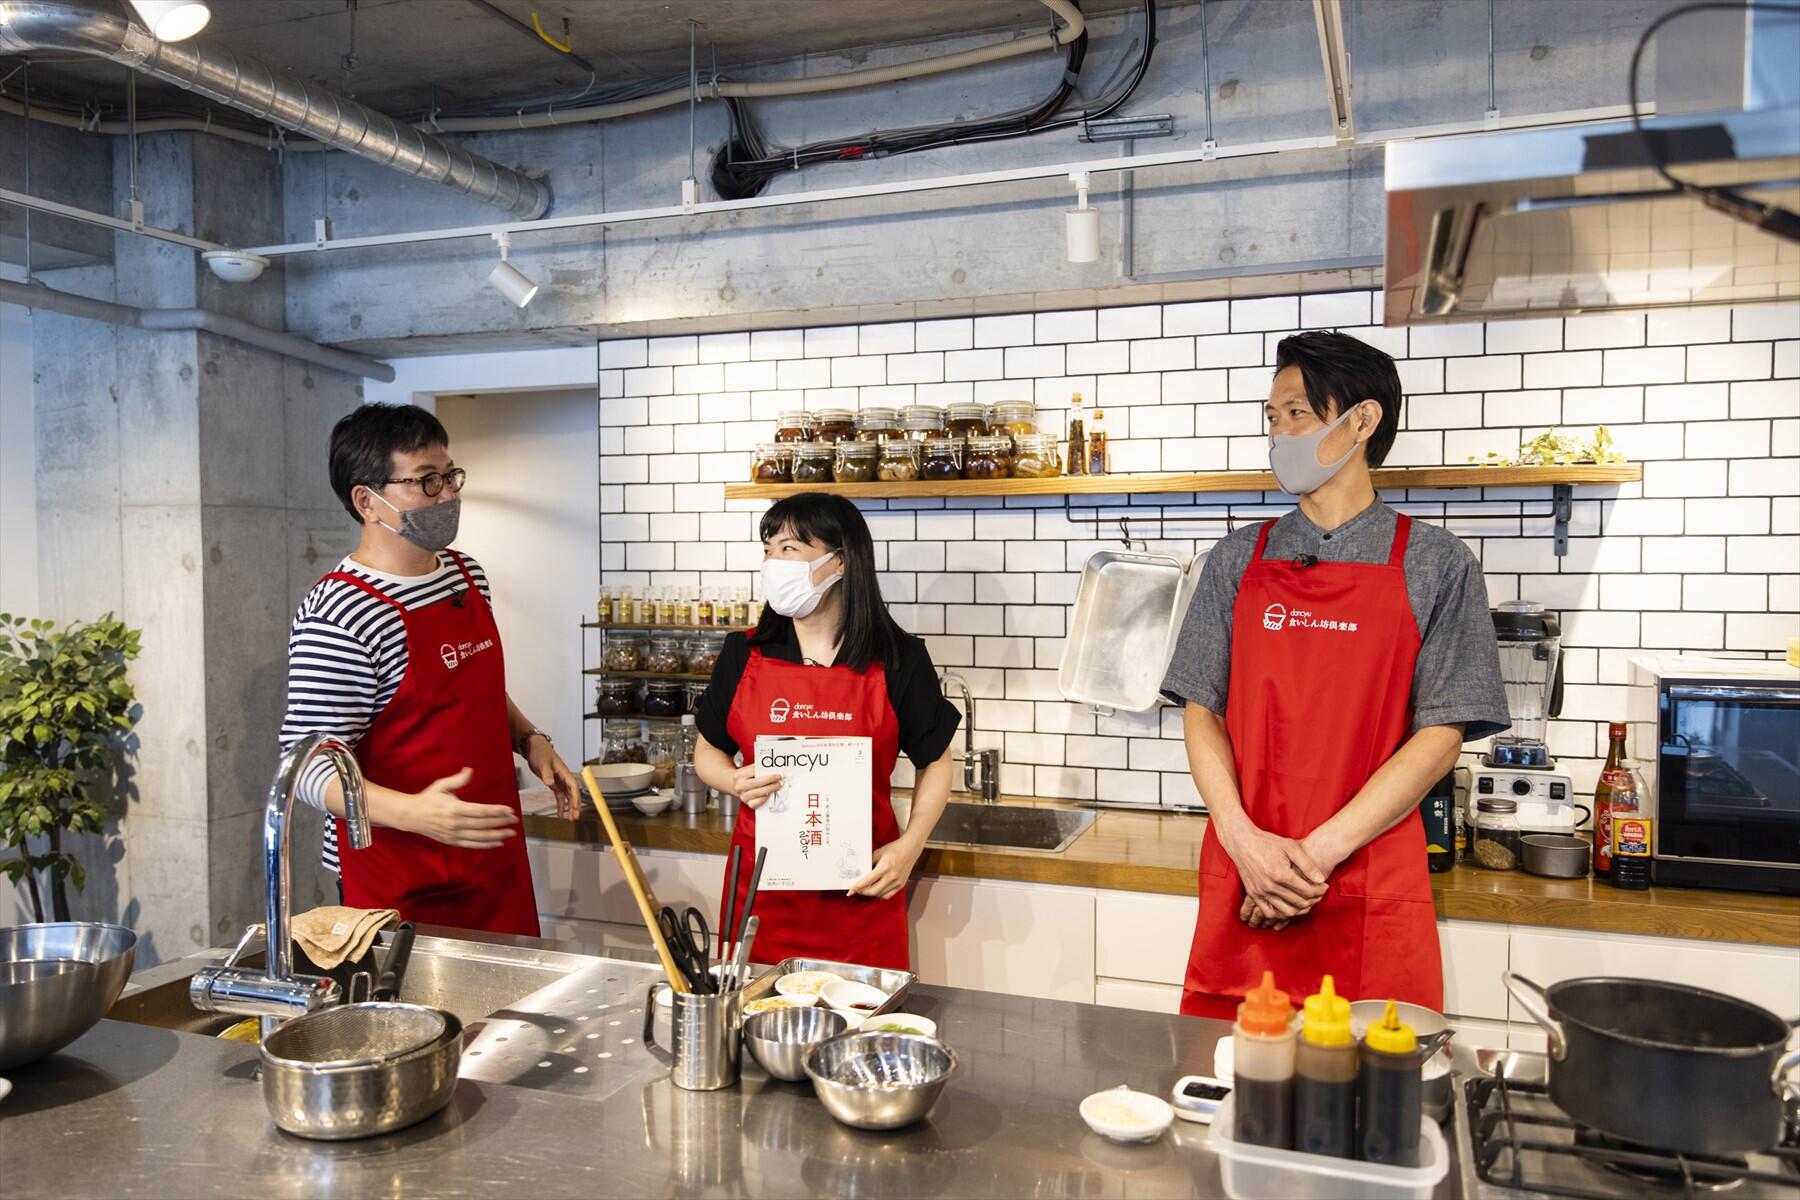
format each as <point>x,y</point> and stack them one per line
<point>1306,560</point>
<point>456,597</point>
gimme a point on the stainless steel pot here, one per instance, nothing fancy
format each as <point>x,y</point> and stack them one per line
<point>360,1069</point>
<point>56,981</point>
<point>1664,1064</point>
<point>1556,855</point>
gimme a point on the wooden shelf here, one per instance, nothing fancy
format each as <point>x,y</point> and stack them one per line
<point>594,716</point>
<point>1216,481</point>
<point>685,677</point>
<point>633,628</point>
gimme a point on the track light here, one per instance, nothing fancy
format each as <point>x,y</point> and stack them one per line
<point>507,279</point>
<point>1083,223</point>
<point>172,20</point>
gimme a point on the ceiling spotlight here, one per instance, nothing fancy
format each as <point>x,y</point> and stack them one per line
<point>507,279</point>
<point>1083,223</point>
<point>172,20</point>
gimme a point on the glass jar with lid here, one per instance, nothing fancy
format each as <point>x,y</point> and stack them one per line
<point>856,461</point>
<point>965,420</point>
<point>899,462</point>
<point>833,425</point>
<point>812,462</point>
<point>773,463</point>
<point>703,653</point>
<point>623,652</point>
<point>696,688</point>
<point>988,458</point>
<point>877,423</point>
<point>622,742</point>
<point>665,697</point>
<point>795,425</point>
<point>1498,845</point>
<point>940,458</point>
<point>921,421</point>
<point>666,655</point>
<point>615,696</point>
<point>1035,456</point>
<point>1012,417</point>
<point>663,748</point>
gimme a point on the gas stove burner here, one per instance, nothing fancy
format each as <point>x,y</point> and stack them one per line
<point>1647,1164</point>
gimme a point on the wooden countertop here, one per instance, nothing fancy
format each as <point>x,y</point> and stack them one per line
<point>1141,851</point>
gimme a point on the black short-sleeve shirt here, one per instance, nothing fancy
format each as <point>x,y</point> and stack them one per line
<point>927,720</point>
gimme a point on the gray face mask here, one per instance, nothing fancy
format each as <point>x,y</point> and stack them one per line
<point>1294,457</point>
<point>430,528</point>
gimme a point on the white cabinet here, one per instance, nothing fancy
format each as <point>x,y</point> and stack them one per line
<point>1144,937</point>
<point>1145,997</point>
<point>1475,957</point>
<point>1018,938</point>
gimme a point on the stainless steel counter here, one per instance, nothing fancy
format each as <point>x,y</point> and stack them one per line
<point>559,1098</point>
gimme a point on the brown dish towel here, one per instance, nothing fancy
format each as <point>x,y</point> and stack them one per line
<point>335,933</point>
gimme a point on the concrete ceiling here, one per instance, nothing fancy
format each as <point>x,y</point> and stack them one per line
<point>414,54</point>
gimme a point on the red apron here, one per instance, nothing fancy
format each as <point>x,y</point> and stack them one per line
<point>1320,697</point>
<point>828,925</point>
<point>448,713</point>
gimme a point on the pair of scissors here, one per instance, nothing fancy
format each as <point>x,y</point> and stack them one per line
<point>690,943</point>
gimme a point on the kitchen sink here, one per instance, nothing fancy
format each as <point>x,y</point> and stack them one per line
<point>470,979</point>
<point>1008,826</point>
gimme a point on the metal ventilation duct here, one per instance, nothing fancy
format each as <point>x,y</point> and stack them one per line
<point>252,86</point>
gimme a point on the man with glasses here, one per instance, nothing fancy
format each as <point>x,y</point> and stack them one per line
<point>396,652</point>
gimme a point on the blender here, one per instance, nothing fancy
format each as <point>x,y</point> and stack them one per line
<point>1518,765</point>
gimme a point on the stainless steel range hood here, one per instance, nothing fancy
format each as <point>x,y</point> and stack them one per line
<point>1556,221</point>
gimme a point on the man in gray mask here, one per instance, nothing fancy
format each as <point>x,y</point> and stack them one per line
<point>1331,666</point>
<point>397,653</point>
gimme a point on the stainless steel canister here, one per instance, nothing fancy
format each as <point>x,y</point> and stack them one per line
<point>690,792</point>
<point>704,1038</point>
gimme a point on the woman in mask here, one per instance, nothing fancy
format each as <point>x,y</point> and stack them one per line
<point>1331,666</point>
<point>826,660</point>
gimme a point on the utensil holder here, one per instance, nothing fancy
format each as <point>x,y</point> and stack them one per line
<point>705,1043</point>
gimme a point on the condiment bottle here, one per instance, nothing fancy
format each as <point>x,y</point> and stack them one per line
<point>1263,1065</point>
<point>1389,1093</point>
<point>703,609</point>
<point>1438,811</point>
<point>1630,850</point>
<point>1078,447</point>
<point>1097,455</point>
<point>1325,1076</point>
<point>603,611</point>
<point>1605,797</point>
<point>665,608</point>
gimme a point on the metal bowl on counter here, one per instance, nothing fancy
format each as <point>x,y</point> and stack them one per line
<point>1427,1023</point>
<point>56,981</point>
<point>879,1080</point>
<point>358,1070</point>
<point>1556,855</point>
<point>779,1038</point>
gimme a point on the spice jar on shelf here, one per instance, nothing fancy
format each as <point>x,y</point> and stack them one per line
<point>941,458</point>
<point>703,653</point>
<point>899,462</point>
<point>695,689</point>
<point>833,425</point>
<point>666,656</point>
<point>856,461</point>
<point>773,463</point>
<point>988,458</point>
<point>795,425</point>
<point>1012,418</point>
<point>1497,838</point>
<point>877,423</point>
<point>812,462</point>
<point>623,652</point>
<point>921,421</point>
<point>622,742</point>
<point>1035,456</point>
<point>665,697</point>
<point>965,420</point>
<point>663,749</point>
<point>615,696</point>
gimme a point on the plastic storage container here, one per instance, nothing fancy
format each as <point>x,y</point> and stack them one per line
<point>1265,1173</point>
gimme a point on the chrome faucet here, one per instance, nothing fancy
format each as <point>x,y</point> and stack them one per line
<point>277,994</point>
<point>981,768</point>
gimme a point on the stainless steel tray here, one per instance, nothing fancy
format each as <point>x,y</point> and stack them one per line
<point>1128,610</point>
<point>895,983</point>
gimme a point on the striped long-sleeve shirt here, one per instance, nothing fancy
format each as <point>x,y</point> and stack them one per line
<point>346,657</point>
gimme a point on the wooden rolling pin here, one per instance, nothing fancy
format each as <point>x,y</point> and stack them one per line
<point>648,908</point>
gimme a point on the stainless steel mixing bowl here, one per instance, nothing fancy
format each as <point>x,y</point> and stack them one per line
<point>779,1038</point>
<point>56,981</point>
<point>360,1069</point>
<point>879,1080</point>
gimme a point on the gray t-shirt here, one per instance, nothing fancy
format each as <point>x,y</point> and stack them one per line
<point>1457,678</point>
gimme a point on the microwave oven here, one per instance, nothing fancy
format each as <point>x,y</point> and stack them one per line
<point>1718,743</point>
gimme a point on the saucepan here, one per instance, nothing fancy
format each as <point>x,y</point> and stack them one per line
<point>1664,1064</point>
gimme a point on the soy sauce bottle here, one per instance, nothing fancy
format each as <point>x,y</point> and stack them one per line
<point>1263,1067</point>
<point>1325,1076</point>
<point>1389,1093</point>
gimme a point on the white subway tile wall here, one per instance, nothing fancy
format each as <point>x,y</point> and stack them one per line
<point>1704,555</point>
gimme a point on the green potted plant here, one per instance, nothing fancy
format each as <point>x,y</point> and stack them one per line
<point>66,712</point>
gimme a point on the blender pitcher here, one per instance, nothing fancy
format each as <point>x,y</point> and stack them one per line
<point>1531,667</point>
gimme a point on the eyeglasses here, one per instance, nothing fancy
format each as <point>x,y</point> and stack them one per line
<point>431,483</point>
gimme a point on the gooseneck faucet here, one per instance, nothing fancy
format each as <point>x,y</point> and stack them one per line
<point>277,994</point>
<point>981,768</point>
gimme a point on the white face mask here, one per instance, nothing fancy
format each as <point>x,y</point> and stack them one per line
<point>1294,457</point>
<point>788,587</point>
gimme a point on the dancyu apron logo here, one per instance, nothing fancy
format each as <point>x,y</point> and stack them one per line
<point>454,656</point>
<point>781,710</point>
<point>1274,616</point>
<point>778,711</point>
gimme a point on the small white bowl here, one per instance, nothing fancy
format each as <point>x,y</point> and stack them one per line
<point>1127,1116</point>
<point>841,995</point>
<point>923,1026</point>
<point>653,803</point>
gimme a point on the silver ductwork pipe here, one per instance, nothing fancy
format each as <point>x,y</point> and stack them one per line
<point>254,87</point>
<point>36,295</point>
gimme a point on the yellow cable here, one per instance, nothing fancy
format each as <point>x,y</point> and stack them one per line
<point>567,45</point>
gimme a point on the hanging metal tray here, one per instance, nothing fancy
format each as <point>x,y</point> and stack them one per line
<point>1128,609</point>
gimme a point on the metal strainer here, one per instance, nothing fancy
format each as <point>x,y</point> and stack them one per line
<point>355,1033</point>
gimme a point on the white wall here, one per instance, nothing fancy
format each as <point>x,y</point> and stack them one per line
<point>529,517</point>
<point>18,467</point>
